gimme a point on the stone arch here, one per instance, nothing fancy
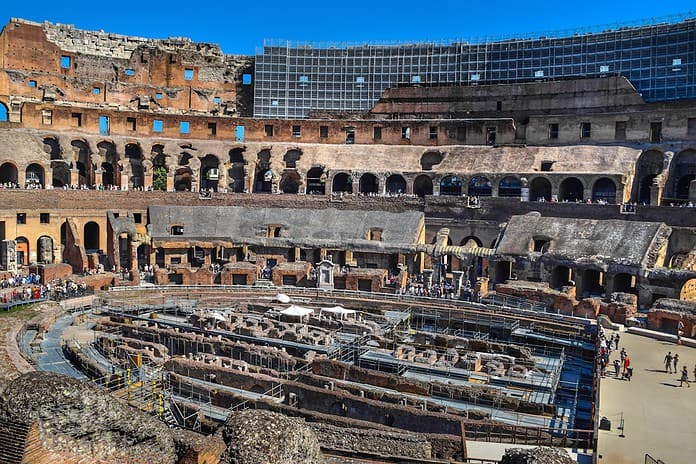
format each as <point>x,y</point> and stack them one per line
<point>396,184</point>
<point>561,276</point>
<point>236,176</point>
<point>4,112</point>
<point>22,248</point>
<point>471,241</point>
<point>604,189</point>
<point>109,167</point>
<point>8,173</point>
<point>624,283</point>
<point>236,155</point>
<point>480,186</point>
<point>52,147</point>
<point>649,165</point>
<point>263,178</point>
<point>423,185</point>
<point>688,290</point>
<point>571,189</point>
<point>183,179</point>
<point>160,169</point>
<point>291,158</point>
<point>61,173</point>
<point>430,159</point>
<point>368,183</point>
<point>134,155</point>
<point>450,185</point>
<point>510,186</point>
<point>210,172</point>
<point>91,236</point>
<point>44,250</point>
<point>682,172</point>
<point>290,182</point>
<point>34,176</point>
<point>342,182</point>
<point>540,188</point>
<point>316,181</point>
<point>83,161</point>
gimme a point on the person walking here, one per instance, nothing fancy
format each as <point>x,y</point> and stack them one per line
<point>616,340</point>
<point>626,368</point>
<point>684,378</point>
<point>668,362</point>
<point>617,368</point>
<point>676,362</point>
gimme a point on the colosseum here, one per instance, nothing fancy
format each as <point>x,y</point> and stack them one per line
<point>371,253</point>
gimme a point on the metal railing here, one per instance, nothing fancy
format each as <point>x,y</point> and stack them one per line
<point>651,460</point>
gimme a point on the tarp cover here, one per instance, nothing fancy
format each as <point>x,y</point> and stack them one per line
<point>298,311</point>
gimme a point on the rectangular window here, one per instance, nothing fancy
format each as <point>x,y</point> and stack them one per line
<point>553,131</point>
<point>96,90</point>
<point>103,125</point>
<point>130,72</point>
<point>46,117</point>
<point>158,96</point>
<point>604,69</point>
<point>406,133</point>
<point>212,128</point>
<point>268,130</point>
<point>415,79</point>
<point>131,123</point>
<point>377,133</point>
<point>188,74</point>
<point>184,127</point>
<point>585,130</point>
<point>217,100</point>
<point>655,132</point>
<point>676,62</point>
<point>45,218</point>
<point>475,77</point>
<point>491,135</point>
<point>547,166</point>
<point>65,61</point>
<point>461,133</point>
<point>499,106</point>
<point>620,130</point>
<point>157,125</point>
<point>323,131</point>
<point>77,119</point>
<point>303,79</point>
<point>539,73</point>
<point>21,218</point>
<point>246,79</point>
<point>138,218</point>
<point>432,135</point>
<point>691,127</point>
<point>296,131</point>
<point>32,84</point>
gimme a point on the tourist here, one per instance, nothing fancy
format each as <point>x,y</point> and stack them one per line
<point>676,362</point>
<point>617,368</point>
<point>684,378</point>
<point>668,362</point>
<point>616,340</point>
<point>627,370</point>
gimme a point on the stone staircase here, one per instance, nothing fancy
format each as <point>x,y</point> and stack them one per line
<point>263,283</point>
<point>13,441</point>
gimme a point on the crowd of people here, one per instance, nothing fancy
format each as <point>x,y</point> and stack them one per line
<point>418,286</point>
<point>20,288</point>
<point>622,364</point>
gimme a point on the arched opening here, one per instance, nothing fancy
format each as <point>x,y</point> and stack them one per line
<point>561,276</point>
<point>509,186</point>
<point>159,168</point>
<point>143,253</point>
<point>237,155</point>
<point>183,179</point>
<point>44,247</point>
<point>624,283</point>
<point>210,173</point>
<point>316,181</point>
<point>683,185</point>
<point>159,257</point>
<point>571,189</point>
<point>109,166</point>
<point>64,233</point>
<point>91,237</point>
<point>648,166</point>
<point>470,242</point>
<point>61,174</point>
<point>236,177</point>
<point>342,182</point>
<point>503,272</point>
<point>604,190</point>
<point>291,158</point>
<point>430,159</point>
<point>451,185</point>
<point>290,182</point>
<point>4,112</point>
<point>592,283</point>
<point>8,175</point>
<point>52,147</point>
<point>22,249</point>
<point>369,183</point>
<point>480,186</point>
<point>540,189</point>
<point>34,176</point>
<point>396,184</point>
<point>134,155</point>
<point>124,251</point>
<point>423,185</point>
<point>85,168</point>
<point>264,180</point>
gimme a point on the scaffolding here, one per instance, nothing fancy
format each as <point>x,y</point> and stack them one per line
<point>293,80</point>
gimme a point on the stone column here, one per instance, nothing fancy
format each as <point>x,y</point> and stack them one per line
<point>692,191</point>
<point>655,193</point>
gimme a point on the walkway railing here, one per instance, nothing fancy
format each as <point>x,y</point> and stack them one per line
<point>651,460</point>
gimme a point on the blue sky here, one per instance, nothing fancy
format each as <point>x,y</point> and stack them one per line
<point>239,26</point>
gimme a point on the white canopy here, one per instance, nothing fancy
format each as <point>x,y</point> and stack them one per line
<point>297,311</point>
<point>283,298</point>
<point>217,316</point>
<point>340,311</point>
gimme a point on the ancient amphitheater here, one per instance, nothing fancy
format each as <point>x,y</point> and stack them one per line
<point>294,258</point>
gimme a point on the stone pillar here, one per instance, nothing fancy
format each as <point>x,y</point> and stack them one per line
<point>74,176</point>
<point>436,187</point>
<point>655,194</point>
<point>170,182</point>
<point>692,191</point>
<point>587,194</point>
<point>494,188</point>
<point>383,181</point>
<point>223,180</point>
<point>147,179</point>
<point>98,177</point>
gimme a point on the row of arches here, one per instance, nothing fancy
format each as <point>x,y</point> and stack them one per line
<point>652,172</point>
